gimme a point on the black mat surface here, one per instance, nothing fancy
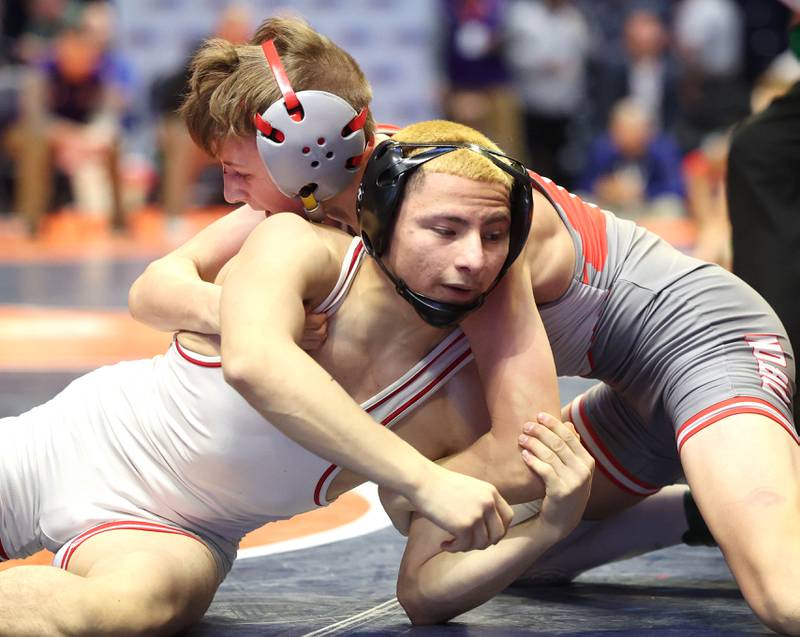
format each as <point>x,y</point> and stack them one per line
<point>347,588</point>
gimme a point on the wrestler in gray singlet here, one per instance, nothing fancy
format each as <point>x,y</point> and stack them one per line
<point>678,343</point>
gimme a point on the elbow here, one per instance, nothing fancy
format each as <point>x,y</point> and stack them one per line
<point>245,369</point>
<point>420,610</point>
<point>139,296</point>
<point>239,371</point>
<point>135,303</point>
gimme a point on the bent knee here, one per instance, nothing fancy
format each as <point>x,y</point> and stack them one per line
<point>775,601</point>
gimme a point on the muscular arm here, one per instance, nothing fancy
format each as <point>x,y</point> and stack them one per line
<point>516,367</point>
<point>434,586</point>
<point>176,292</point>
<point>282,266</point>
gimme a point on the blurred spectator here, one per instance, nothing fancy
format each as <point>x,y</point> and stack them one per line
<point>776,80</point>
<point>764,200</point>
<point>71,107</point>
<point>182,161</point>
<point>634,169</point>
<point>606,19</point>
<point>705,170</point>
<point>765,34</point>
<point>44,20</point>
<point>645,71</point>
<point>477,89</point>
<point>710,45</point>
<point>549,43</point>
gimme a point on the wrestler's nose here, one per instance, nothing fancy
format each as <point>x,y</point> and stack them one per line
<point>470,253</point>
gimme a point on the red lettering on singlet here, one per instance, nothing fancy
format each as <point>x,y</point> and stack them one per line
<point>587,220</point>
<point>769,353</point>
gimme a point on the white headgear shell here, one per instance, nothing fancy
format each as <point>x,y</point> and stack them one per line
<point>320,134</point>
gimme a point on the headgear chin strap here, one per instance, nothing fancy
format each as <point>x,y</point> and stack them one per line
<point>380,196</point>
<point>312,142</point>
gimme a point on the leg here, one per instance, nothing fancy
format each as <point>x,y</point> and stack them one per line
<point>743,474</point>
<point>617,525</point>
<point>33,154</point>
<point>119,583</point>
<point>654,523</point>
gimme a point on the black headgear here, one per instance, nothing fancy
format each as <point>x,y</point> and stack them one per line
<point>381,193</point>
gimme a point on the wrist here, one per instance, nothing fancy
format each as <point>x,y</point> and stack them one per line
<point>550,531</point>
<point>417,477</point>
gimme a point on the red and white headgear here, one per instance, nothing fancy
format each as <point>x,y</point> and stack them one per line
<point>311,142</point>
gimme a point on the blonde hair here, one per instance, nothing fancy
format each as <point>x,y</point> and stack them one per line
<point>230,83</point>
<point>462,163</point>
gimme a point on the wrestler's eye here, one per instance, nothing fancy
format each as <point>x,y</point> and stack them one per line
<point>495,235</point>
<point>442,231</point>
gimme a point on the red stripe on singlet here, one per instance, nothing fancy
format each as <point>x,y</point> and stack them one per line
<point>420,394</point>
<point>129,525</point>
<point>614,462</point>
<point>394,393</point>
<point>588,222</point>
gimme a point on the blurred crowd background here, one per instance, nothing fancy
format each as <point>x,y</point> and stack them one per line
<point>628,102</point>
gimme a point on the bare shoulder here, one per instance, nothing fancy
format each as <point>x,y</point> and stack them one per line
<point>299,234</point>
<point>338,241</point>
<point>287,243</point>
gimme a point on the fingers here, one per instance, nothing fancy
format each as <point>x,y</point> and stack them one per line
<point>316,321</point>
<point>485,531</point>
<point>495,526</point>
<point>505,510</point>
<point>475,537</point>
<point>547,446</point>
<point>315,331</point>
<point>552,449</point>
<point>543,469</point>
<point>561,437</point>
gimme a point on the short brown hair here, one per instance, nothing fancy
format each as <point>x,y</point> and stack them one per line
<point>230,83</point>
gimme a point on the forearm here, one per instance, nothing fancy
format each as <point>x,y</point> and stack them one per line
<point>171,296</point>
<point>449,584</point>
<point>499,462</point>
<point>305,403</point>
<point>519,379</point>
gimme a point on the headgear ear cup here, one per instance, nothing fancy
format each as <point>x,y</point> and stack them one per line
<point>311,142</point>
<point>380,196</point>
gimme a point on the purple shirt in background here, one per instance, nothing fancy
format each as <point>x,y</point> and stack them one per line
<point>473,40</point>
<point>660,166</point>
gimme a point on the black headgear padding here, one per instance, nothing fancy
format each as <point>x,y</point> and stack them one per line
<point>380,196</point>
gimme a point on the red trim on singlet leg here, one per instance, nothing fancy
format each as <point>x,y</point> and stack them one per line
<point>194,361</point>
<point>3,554</point>
<point>599,461</point>
<point>121,525</point>
<point>732,407</point>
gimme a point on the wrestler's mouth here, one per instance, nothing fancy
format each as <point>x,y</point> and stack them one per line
<point>459,291</point>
